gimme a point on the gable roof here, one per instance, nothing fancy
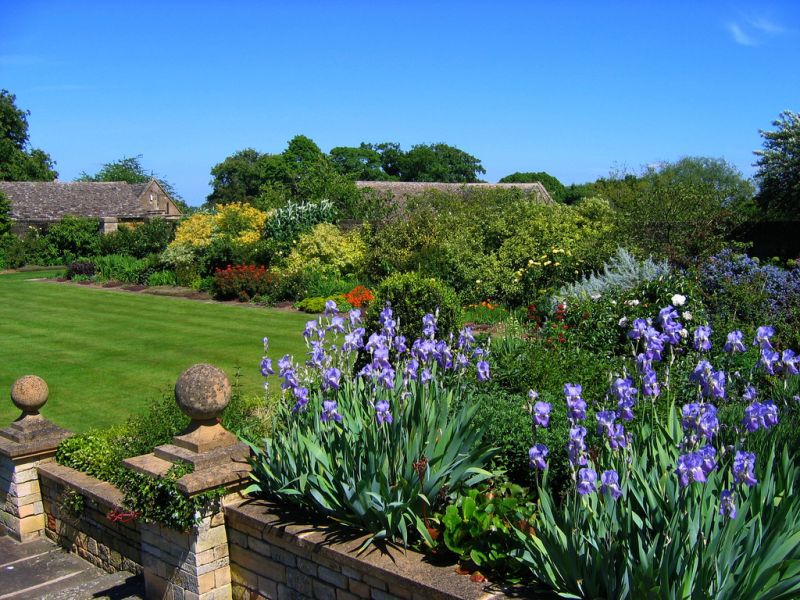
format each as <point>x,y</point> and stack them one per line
<point>53,200</point>
<point>404,189</point>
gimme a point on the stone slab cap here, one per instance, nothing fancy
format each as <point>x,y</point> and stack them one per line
<point>148,464</point>
<point>239,452</point>
<point>31,433</point>
<point>202,393</point>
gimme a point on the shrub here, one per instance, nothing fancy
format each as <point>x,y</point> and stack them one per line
<point>161,278</point>
<point>140,240</point>
<point>115,267</point>
<point>316,304</point>
<point>84,268</point>
<point>285,224</point>
<point>359,297</point>
<point>325,248</point>
<point>243,282</point>
<point>411,296</point>
<point>373,448</point>
<point>73,237</point>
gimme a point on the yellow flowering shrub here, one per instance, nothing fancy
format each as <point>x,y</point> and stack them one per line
<point>239,221</point>
<point>325,247</point>
<point>194,231</point>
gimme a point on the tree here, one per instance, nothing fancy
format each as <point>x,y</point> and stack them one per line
<point>553,186</point>
<point>239,177</point>
<point>440,163</point>
<point>778,174</point>
<point>359,164</point>
<point>5,216</point>
<point>17,161</point>
<point>129,169</point>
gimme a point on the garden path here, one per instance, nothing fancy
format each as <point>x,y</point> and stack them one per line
<point>40,569</point>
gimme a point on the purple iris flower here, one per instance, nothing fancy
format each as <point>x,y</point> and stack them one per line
<point>763,335</point>
<point>353,340</point>
<point>382,413</point>
<point>329,412</point>
<point>700,418</point>
<point>650,386</point>
<point>605,421</point>
<point>399,343</point>
<point>702,338</point>
<point>465,338</point>
<point>311,329</point>
<point>411,369</point>
<point>284,364</point>
<point>734,343</point>
<point>429,326</point>
<point>380,357</point>
<point>537,455</point>
<point>461,362</point>
<point>386,378</point>
<point>289,380</point>
<point>610,483</point>
<point>617,438</point>
<point>655,343</point>
<point>337,324</point>
<point>541,413</point>
<point>330,381</point>
<point>727,504</point>
<point>769,360</point>
<point>266,367</point>
<point>483,370</point>
<point>760,415</point>
<point>708,459</point>
<point>330,308</point>
<point>690,469</point>
<point>576,447</point>
<point>744,464</point>
<point>644,363</point>
<point>750,393</point>
<point>355,317</point>
<point>425,376</point>
<point>443,355</point>
<point>301,394</point>
<point>576,405</point>
<point>788,364</point>
<point>587,481</point>
<point>715,387</point>
<point>639,326</point>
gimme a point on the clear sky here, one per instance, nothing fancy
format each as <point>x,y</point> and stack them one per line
<point>571,88</point>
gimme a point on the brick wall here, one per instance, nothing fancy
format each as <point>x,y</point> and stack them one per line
<point>112,546</point>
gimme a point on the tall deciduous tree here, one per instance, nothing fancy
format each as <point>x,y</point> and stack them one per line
<point>18,162</point>
<point>441,163</point>
<point>778,174</point>
<point>553,186</point>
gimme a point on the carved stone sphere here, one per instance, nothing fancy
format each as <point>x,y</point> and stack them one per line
<point>29,393</point>
<point>202,392</point>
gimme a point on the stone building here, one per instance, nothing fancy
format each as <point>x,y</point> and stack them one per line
<point>41,203</point>
<point>400,190</point>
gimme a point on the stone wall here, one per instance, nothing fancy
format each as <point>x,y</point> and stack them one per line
<point>111,545</point>
<point>274,557</point>
<point>21,507</point>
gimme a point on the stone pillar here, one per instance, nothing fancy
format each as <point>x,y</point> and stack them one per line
<point>28,442</point>
<point>194,564</point>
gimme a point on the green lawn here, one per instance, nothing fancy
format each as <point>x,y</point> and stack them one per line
<point>105,354</point>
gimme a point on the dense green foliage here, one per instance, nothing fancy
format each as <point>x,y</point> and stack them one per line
<point>411,296</point>
<point>150,237</point>
<point>778,173</point>
<point>19,162</point>
<point>553,186</point>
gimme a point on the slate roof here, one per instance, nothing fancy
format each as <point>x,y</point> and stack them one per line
<point>403,189</point>
<point>53,200</point>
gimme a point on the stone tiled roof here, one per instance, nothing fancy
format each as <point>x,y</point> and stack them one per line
<point>53,200</point>
<point>403,189</point>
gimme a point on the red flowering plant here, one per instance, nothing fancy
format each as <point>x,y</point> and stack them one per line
<point>243,282</point>
<point>359,297</point>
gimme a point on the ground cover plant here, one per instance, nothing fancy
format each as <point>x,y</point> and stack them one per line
<point>105,353</point>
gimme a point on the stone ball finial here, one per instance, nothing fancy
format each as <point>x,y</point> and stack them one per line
<point>29,393</point>
<point>202,392</point>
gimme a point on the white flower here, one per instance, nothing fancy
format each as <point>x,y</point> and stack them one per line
<point>614,302</point>
<point>622,321</point>
<point>595,296</point>
<point>687,315</point>
<point>633,302</point>
<point>684,333</point>
<point>678,300</point>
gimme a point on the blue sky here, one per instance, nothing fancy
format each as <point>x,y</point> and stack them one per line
<point>571,88</point>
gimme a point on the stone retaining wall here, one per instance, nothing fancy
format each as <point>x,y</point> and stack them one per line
<point>275,558</point>
<point>20,502</point>
<point>111,545</point>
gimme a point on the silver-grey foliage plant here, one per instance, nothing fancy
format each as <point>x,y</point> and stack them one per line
<point>623,271</point>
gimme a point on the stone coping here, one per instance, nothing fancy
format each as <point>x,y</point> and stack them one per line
<point>391,564</point>
<point>101,492</point>
<point>44,444</point>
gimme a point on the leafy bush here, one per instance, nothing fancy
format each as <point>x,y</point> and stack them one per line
<point>377,448</point>
<point>325,248</point>
<point>479,527</point>
<point>622,272</point>
<point>162,278</point>
<point>285,224</point>
<point>316,304</point>
<point>73,237</point>
<point>116,267</point>
<point>85,268</point>
<point>150,237</point>
<point>411,296</point>
<point>243,282</point>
